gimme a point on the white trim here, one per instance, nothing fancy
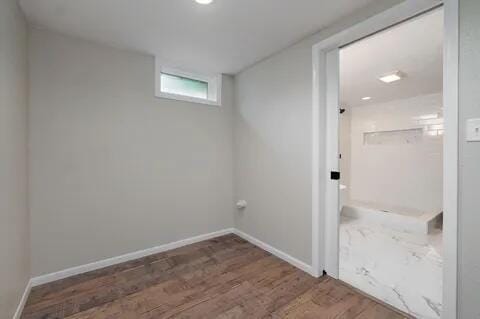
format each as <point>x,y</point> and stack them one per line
<point>43,279</point>
<point>318,81</point>
<point>403,11</point>
<point>332,221</point>
<point>214,85</point>
<point>450,159</point>
<point>274,251</point>
<point>23,301</point>
<point>184,98</point>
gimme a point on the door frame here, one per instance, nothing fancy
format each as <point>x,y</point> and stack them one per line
<point>325,195</point>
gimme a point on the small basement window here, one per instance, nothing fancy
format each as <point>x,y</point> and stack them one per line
<point>179,85</point>
<point>186,86</point>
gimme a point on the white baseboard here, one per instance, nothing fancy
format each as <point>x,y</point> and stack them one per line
<point>62,274</point>
<point>274,251</point>
<point>23,301</point>
<point>43,279</point>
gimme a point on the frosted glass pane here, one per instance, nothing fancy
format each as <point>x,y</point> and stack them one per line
<point>174,84</point>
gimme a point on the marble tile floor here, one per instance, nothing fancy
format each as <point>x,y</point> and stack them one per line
<point>400,269</point>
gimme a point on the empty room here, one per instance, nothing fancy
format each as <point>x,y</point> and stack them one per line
<point>223,159</point>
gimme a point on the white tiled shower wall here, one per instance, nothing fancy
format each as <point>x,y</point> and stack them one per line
<point>398,165</point>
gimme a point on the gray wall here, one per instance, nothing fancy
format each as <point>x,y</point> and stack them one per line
<point>14,220</point>
<point>273,128</point>
<point>469,219</point>
<point>114,169</point>
<point>273,151</point>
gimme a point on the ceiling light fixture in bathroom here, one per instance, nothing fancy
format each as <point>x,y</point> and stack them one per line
<point>366,98</point>
<point>392,77</point>
<point>204,1</point>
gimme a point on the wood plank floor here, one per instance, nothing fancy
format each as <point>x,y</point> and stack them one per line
<point>222,278</point>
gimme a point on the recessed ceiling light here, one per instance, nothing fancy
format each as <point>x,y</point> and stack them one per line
<point>392,77</point>
<point>204,1</point>
<point>366,98</point>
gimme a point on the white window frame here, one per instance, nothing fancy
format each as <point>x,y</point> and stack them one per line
<point>214,85</point>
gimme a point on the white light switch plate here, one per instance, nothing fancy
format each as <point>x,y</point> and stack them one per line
<point>473,130</point>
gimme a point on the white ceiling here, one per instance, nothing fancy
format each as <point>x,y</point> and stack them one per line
<point>226,36</point>
<point>414,47</point>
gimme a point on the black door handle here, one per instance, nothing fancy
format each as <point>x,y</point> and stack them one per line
<point>334,175</point>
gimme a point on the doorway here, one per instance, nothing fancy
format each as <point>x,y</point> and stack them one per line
<point>326,118</point>
<point>391,130</point>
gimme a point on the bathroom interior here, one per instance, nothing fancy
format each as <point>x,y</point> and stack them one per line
<point>391,163</point>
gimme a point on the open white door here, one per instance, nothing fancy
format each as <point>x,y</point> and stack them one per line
<point>332,209</point>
